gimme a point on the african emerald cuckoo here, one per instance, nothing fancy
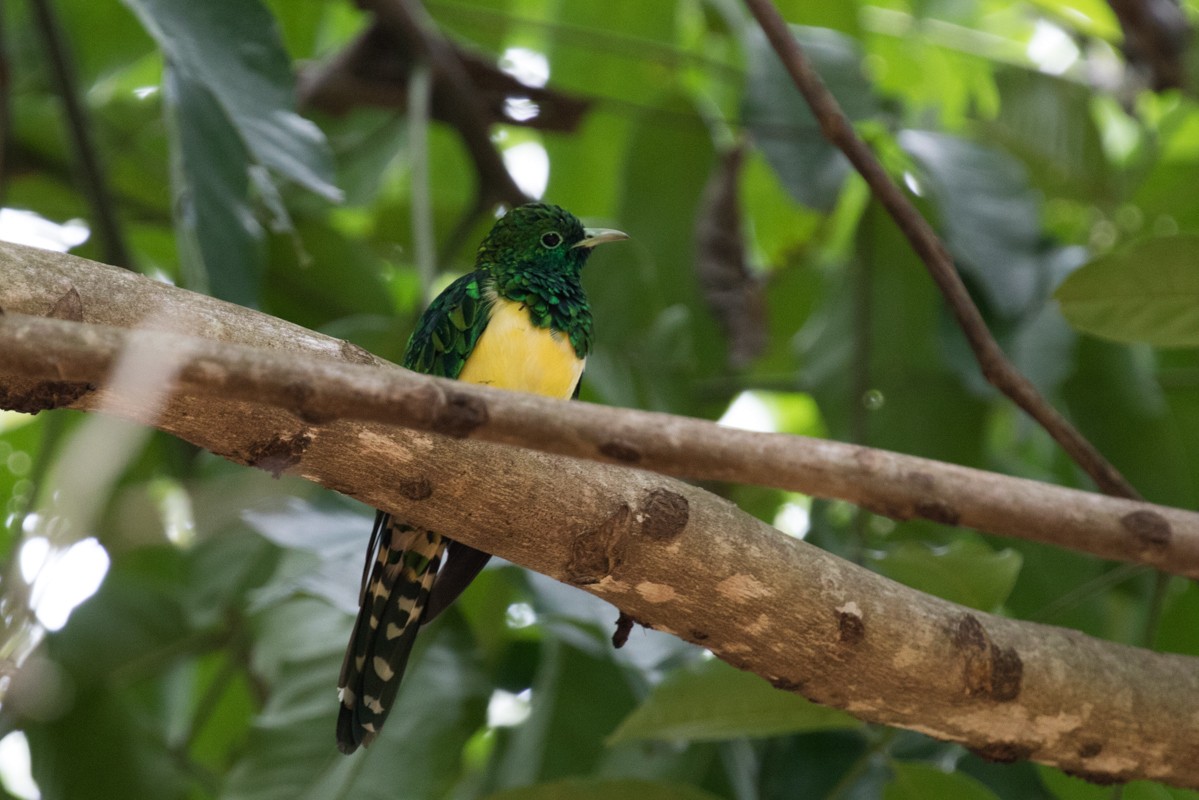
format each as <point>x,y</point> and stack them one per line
<point>520,321</point>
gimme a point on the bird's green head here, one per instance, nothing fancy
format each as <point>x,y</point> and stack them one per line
<point>542,237</point>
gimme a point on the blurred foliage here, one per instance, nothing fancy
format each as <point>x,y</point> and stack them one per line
<point>205,664</point>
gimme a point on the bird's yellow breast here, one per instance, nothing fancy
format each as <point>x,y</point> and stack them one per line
<point>514,354</point>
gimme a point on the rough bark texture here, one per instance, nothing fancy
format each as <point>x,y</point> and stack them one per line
<point>668,554</point>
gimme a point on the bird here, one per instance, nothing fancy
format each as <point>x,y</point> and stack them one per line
<point>519,321</point>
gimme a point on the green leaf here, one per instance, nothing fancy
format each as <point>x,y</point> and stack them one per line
<point>1116,400</point>
<point>232,49</point>
<point>1068,787</point>
<point>290,752</point>
<point>841,16</point>
<point>322,551</point>
<point>1092,17</point>
<point>586,175</point>
<point>333,278</point>
<point>652,321</point>
<point>600,789</point>
<point>966,571</point>
<point>108,737</point>
<point>577,698</point>
<point>1167,198</point>
<point>1047,121</point>
<point>907,371</point>
<point>990,216</point>
<point>934,78</point>
<point>220,242</point>
<point>21,446</point>
<point>810,167</point>
<point>1018,781</point>
<point>717,702</point>
<point>1147,292</point>
<point>1175,633</point>
<point>914,781</point>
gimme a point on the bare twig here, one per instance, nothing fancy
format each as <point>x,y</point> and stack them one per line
<point>665,553</point>
<point>374,70</point>
<point>95,184</point>
<point>5,106</point>
<point>420,87</point>
<point>994,363</point>
<point>1156,36</point>
<point>408,22</point>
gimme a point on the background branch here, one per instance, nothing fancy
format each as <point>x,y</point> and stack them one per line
<point>407,21</point>
<point>374,70</point>
<point>995,365</point>
<point>1156,35</point>
<point>668,554</point>
<point>91,171</point>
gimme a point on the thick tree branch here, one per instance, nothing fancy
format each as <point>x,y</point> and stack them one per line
<point>56,354</point>
<point>667,554</point>
<point>996,367</point>
<point>346,383</point>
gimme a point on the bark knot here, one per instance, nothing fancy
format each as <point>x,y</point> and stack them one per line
<point>1151,530</point>
<point>988,670</point>
<point>279,454</point>
<point>938,511</point>
<point>619,450</point>
<point>1003,752</point>
<point>596,552</point>
<point>68,306</point>
<point>460,415</point>
<point>851,628</point>
<point>357,355</point>
<point>415,488</point>
<point>664,515</point>
<point>300,394</point>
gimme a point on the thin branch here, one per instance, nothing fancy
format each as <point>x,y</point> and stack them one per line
<point>994,363</point>
<point>5,106</point>
<point>1156,36</point>
<point>95,184</point>
<point>420,88</point>
<point>407,20</point>
<point>375,70</point>
<point>665,553</point>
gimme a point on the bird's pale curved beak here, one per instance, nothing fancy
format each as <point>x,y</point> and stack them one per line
<point>594,236</point>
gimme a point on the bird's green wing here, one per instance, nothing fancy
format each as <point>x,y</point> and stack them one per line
<point>449,328</point>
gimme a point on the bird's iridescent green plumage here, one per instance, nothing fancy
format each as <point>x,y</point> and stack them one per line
<point>532,257</point>
<point>512,263</point>
<point>449,329</point>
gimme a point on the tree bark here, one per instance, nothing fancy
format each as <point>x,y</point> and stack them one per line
<point>668,554</point>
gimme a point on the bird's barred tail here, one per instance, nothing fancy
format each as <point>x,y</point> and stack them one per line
<point>393,603</point>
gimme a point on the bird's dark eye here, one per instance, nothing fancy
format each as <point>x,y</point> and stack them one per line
<point>551,240</point>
